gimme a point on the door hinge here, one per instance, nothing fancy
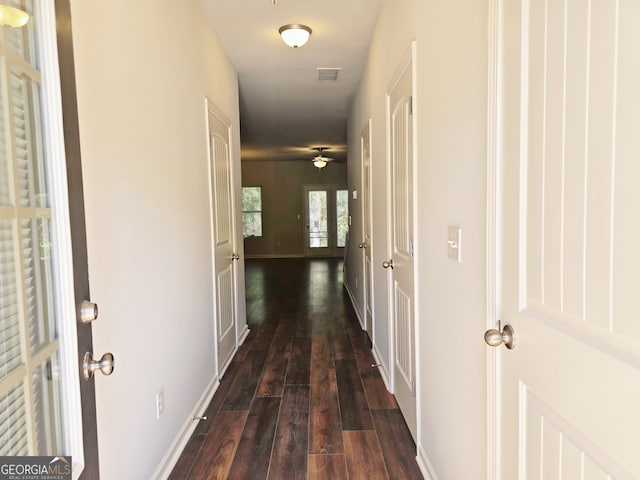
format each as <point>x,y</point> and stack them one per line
<point>411,248</point>
<point>411,105</point>
<point>413,388</point>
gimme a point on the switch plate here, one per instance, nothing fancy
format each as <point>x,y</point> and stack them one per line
<point>354,194</point>
<point>454,243</point>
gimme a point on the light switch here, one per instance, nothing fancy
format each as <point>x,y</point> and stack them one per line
<point>454,243</point>
<point>354,194</point>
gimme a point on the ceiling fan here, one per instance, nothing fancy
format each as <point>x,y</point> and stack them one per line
<point>320,161</point>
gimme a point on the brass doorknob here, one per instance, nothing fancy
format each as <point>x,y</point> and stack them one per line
<point>388,264</point>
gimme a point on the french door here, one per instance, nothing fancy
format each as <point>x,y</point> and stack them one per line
<point>327,220</point>
<point>47,407</point>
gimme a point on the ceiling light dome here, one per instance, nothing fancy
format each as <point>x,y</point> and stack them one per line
<point>14,17</point>
<point>320,162</point>
<point>294,34</point>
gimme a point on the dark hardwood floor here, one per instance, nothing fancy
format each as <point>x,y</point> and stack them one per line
<point>300,399</point>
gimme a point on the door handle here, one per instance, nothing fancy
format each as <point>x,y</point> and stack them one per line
<point>388,264</point>
<point>105,365</point>
<point>362,245</point>
<point>235,256</point>
<point>495,338</point>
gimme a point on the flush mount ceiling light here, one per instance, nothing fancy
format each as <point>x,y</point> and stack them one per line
<point>14,17</point>
<point>294,34</point>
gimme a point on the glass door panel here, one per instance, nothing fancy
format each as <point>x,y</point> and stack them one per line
<point>318,225</point>
<point>342,217</point>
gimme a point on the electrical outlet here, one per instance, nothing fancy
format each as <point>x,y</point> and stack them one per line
<point>159,403</point>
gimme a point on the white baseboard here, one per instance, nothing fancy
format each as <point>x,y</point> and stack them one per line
<point>243,334</point>
<point>355,304</point>
<point>184,435</point>
<point>382,368</point>
<point>425,465</point>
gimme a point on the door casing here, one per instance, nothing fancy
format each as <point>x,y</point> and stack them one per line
<point>367,242</point>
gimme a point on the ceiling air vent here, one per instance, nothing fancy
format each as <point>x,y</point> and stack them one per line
<point>328,74</point>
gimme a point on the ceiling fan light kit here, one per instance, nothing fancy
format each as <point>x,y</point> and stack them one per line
<point>294,34</point>
<point>320,161</point>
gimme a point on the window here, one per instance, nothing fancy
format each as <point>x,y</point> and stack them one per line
<point>251,212</point>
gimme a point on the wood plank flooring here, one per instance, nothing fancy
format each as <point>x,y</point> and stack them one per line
<point>300,399</point>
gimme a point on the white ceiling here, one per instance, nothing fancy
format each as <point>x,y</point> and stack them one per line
<point>284,109</point>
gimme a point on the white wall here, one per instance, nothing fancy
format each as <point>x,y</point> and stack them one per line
<point>451,115</point>
<point>143,70</point>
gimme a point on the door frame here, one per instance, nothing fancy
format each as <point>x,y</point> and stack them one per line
<point>367,276</point>
<point>409,60</point>
<point>492,315</point>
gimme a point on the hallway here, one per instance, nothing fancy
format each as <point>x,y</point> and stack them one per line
<point>300,399</point>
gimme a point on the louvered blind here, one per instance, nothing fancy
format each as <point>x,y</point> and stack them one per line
<point>13,423</point>
<point>5,191</point>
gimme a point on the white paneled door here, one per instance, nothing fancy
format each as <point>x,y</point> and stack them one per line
<point>400,264</point>
<point>222,213</point>
<point>569,240</point>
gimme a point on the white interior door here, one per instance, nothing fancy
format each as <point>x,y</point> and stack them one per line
<point>223,235</point>
<point>570,390</point>
<point>400,121</point>
<point>48,409</point>
<point>365,145</point>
